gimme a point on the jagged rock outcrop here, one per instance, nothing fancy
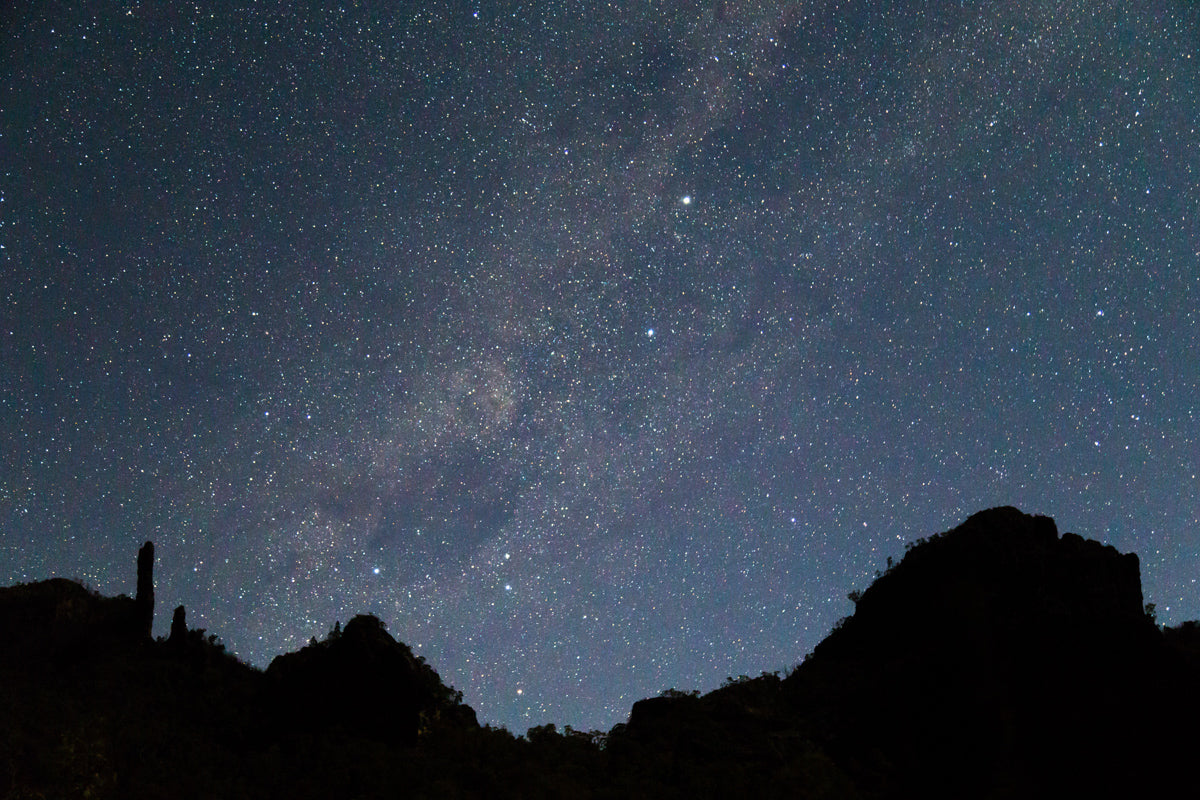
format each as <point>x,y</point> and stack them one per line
<point>179,629</point>
<point>989,655</point>
<point>995,660</point>
<point>369,683</point>
<point>145,590</point>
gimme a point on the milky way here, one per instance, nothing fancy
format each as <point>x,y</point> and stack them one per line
<point>597,350</point>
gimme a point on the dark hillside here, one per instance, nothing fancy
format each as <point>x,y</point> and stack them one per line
<point>994,660</point>
<point>58,618</point>
<point>998,659</point>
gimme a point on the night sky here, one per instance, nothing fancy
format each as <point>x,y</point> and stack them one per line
<point>597,348</point>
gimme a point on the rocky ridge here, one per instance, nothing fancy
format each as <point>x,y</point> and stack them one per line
<point>998,659</point>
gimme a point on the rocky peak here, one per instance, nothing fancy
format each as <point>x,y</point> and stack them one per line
<point>371,683</point>
<point>1003,569</point>
<point>993,644</point>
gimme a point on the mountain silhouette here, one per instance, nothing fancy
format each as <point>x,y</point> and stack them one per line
<point>385,692</point>
<point>998,659</point>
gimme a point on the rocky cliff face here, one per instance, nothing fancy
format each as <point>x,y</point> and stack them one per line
<point>999,584</point>
<point>989,654</point>
<point>1004,565</point>
<point>997,659</point>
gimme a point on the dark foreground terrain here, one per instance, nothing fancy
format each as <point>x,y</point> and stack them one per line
<point>998,659</point>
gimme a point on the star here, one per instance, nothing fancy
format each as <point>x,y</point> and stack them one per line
<point>368,309</point>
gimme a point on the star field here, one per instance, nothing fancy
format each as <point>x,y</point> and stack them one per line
<point>598,349</point>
